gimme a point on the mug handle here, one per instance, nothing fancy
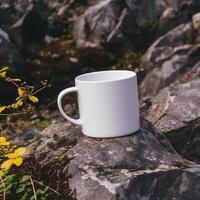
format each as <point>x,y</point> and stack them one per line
<point>59,102</point>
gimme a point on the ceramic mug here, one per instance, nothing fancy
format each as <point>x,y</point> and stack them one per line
<point>108,103</point>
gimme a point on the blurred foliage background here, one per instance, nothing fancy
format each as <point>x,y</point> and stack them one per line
<point>37,44</point>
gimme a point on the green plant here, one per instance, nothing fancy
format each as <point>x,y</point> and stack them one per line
<point>24,188</point>
<point>12,183</point>
<point>10,155</point>
<point>7,183</point>
<point>27,190</point>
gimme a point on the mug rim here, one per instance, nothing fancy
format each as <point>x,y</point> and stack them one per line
<point>122,75</point>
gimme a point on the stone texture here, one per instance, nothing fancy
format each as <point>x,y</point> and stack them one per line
<point>29,136</point>
<point>9,55</point>
<point>190,74</point>
<point>11,10</point>
<point>169,57</point>
<point>56,140</point>
<point>22,18</point>
<point>140,166</point>
<point>32,26</point>
<point>175,111</point>
<point>130,24</point>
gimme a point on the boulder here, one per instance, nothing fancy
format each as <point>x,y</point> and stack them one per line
<point>175,112</point>
<point>7,14</point>
<point>32,26</point>
<point>9,54</point>
<point>140,166</point>
<point>55,141</point>
<point>11,11</point>
<point>169,57</point>
<point>33,20</point>
<point>130,24</point>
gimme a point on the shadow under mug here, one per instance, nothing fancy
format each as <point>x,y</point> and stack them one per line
<point>108,103</point>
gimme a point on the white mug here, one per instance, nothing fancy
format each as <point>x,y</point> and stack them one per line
<point>108,103</point>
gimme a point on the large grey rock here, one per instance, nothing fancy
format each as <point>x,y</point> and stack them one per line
<point>56,140</point>
<point>32,26</point>
<point>140,166</point>
<point>28,21</point>
<point>169,58</point>
<point>175,111</point>
<point>9,55</point>
<point>129,23</point>
<point>11,11</point>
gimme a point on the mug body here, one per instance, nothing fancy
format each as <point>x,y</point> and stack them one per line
<point>108,103</point>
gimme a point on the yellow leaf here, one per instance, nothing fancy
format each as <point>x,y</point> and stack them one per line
<point>33,98</point>
<point>1,173</point>
<point>12,155</point>
<point>20,92</point>
<point>8,79</point>
<point>4,69</point>
<point>2,139</point>
<point>20,151</point>
<point>19,103</point>
<point>2,74</point>
<point>2,108</point>
<point>7,164</point>
<point>4,143</point>
<point>13,106</point>
<point>18,161</point>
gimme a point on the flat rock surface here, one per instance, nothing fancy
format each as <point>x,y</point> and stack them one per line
<point>140,166</point>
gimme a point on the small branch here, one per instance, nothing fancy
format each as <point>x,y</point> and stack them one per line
<point>15,84</point>
<point>42,88</point>
<point>46,186</point>
<point>10,114</point>
<point>4,186</point>
<point>35,195</point>
<point>25,108</point>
